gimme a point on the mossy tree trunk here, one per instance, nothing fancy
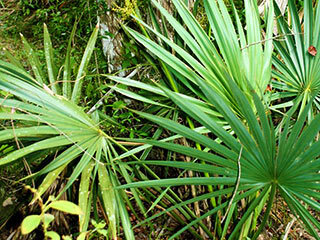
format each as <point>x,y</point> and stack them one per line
<point>110,26</point>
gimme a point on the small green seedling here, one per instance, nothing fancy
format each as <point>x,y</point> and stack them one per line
<point>31,222</point>
<point>99,230</point>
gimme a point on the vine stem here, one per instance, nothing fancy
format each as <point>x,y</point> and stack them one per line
<point>236,187</point>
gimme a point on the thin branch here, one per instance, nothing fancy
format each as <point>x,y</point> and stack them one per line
<point>268,39</point>
<point>26,165</point>
<point>288,228</point>
<point>236,187</point>
<point>100,102</point>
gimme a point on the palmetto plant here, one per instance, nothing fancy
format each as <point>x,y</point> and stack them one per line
<point>297,69</point>
<point>230,52</point>
<point>48,125</point>
<point>45,119</point>
<point>252,165</point>
<point>194,54</point>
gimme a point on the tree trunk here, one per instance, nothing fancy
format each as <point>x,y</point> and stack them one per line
<point>112,38</point>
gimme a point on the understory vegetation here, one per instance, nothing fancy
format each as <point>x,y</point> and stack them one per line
<point>156,119</point>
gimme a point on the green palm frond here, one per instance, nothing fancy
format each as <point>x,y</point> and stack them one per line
<point>58,123</point>
<point>251,165</point>
<point>296,66</point>
<point>247,61</point>
<point>53,121</point>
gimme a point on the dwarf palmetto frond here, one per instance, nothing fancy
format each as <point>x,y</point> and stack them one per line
<point>252,163</point>
<point>237,54</point>
<point>297,68</point>
<point>46,111</point>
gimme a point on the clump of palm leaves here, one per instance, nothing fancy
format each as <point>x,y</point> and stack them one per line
<point>254,161</point>
<point>244,60</point>
<point>49,122</point>
<point>216,79</point>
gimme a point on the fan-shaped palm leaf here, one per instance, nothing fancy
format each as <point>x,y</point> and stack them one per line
<point>56,122</point>
<point>252,165</point>
<point>297,68</point>
<point>244,60</point>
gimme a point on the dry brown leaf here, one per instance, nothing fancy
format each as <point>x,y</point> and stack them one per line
<point>312,50</point>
